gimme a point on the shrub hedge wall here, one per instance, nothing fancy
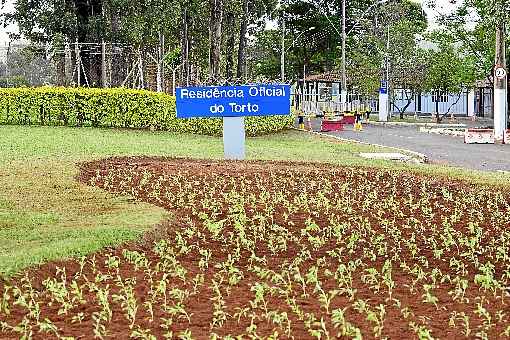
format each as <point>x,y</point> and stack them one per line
<point>118,108</point>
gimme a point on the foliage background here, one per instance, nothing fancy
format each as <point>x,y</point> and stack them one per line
<point>114,108</point>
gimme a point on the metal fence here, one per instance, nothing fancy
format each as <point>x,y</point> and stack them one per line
<point>83,64</point>
<point>422,104</point>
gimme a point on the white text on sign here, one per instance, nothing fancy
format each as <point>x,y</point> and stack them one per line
<point>254,91</point>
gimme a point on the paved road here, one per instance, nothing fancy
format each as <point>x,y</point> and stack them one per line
<point>438,148</point>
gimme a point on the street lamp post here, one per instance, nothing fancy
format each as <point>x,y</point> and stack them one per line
<point>343,94</point>
<point>282,60</point>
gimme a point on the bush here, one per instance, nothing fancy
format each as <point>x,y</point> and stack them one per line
<point>116,108</point>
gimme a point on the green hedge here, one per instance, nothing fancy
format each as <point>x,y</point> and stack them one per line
<point>116,108</point>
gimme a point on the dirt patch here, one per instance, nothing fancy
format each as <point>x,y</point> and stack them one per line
<point>281,250</point>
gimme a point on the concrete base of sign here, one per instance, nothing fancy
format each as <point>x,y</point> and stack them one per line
<point>234,137</point>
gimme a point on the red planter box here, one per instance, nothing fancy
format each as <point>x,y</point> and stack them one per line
<point>349,120</point>
<point>332,125</point>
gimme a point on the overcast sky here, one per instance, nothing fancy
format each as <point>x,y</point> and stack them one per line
<point>3,31</point>
<point>442,6</point>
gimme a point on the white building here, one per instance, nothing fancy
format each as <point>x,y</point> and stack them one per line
<point>321,93</point>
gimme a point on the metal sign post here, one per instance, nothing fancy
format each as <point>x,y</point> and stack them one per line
<point>383,101</point>
<point>233,103</point>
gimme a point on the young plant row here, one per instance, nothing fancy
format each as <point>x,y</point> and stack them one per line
<point>287,253</point>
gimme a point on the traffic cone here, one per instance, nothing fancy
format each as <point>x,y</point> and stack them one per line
<point>301,119</point>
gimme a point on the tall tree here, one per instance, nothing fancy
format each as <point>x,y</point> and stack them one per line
<point>215,19</point>
<point>386,45</point>
<point>241,54</point>
<point>472,26</point>
<point>230,44</point>
<point>450,72</point>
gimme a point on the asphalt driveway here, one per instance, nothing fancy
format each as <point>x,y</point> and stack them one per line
<point>439,149</point>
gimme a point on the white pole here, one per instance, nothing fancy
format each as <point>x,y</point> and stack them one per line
<point>388,104</point>
<point>471,104</point>
<point>500,85</point>
<point>343,95</point>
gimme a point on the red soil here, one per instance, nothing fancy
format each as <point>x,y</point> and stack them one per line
<point>162,181</point>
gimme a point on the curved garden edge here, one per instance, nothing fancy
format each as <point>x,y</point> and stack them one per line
<point>134,263</point>
<point>419,157</point>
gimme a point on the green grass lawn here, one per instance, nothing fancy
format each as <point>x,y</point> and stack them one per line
<point>45,214</point>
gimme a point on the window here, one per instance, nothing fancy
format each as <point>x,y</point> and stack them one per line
<point>401,94</point>
<point>440,97</point>
<point>325,94</point>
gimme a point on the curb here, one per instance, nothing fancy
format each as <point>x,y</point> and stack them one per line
<point>452,132</point>
<point>419,157</point>
<point>426,125</point>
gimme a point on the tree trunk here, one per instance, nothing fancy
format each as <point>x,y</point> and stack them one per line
<point>230,25</point>
<point>114,66</point>
<point>241,54</point>
<point>215,39</point>
<point>104,81</point>
<point>60,61</point>
<point>409,99</point>
<point>91,63</point>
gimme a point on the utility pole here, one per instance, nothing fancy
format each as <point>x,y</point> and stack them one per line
<point>343,95</point>
<point>500,84</point>
<point>282,59</point>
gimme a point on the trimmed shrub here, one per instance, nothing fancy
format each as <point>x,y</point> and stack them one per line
<point>115,108</point>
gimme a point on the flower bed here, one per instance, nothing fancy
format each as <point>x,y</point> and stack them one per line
<point>281,250</point>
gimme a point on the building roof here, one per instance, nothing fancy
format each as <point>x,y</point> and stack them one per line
<point>330,77</point>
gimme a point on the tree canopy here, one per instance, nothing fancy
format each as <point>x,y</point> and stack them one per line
<point>219,41</point>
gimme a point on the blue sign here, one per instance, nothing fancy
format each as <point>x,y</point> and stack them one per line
<point>384,87</point>
<point>233,101</point>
